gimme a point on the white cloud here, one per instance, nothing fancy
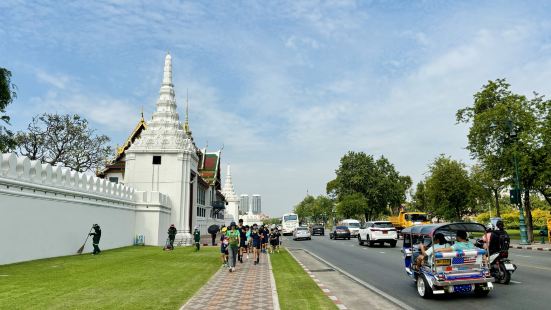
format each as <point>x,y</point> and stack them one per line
<point>56,80</point>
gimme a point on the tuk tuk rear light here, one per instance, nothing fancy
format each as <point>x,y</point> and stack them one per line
<point>504,254</point>
<point>449,268</point>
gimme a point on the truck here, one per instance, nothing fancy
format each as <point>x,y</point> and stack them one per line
<point>407,219</point>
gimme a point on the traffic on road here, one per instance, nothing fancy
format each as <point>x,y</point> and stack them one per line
<point>382,265</point>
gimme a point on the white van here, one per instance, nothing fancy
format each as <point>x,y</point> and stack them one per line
<point>353,226</point>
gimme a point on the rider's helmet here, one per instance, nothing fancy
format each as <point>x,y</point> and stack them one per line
<point>500,225</point>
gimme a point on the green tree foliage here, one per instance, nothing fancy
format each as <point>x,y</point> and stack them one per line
<point>505,125</point>
<point>64,139</point>
<point>486,189</point>
<point>376,180</point>
<point>420,202</point>
<point>315,209</point>
<point>352,206</point>
<point>7,94</point>
<point>448,189</point>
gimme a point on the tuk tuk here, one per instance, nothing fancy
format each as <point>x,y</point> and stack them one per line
<point>453,271</point>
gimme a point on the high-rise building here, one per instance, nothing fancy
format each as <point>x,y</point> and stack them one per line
<point>243,204</point>
<point>256,204</point>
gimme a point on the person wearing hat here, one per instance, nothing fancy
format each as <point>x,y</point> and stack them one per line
<point>171,235</point>
<point>224,247</point>
<point>233,246</point>
<point>96,238</point>
<point>197,238</point>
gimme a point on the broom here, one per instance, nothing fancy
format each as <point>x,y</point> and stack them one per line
<point>82,247</point>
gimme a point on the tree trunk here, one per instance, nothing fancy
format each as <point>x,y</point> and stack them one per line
<point>528,217</point>
<point>496,195</point>
<point>547,197</point>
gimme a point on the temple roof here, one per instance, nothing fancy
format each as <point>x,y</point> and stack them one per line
<point>209,167</point>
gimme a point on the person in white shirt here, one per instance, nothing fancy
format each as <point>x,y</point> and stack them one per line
<point>440,242</point>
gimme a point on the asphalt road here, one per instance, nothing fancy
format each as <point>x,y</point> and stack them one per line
<point>382,267</point>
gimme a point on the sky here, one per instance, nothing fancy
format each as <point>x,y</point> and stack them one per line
<point>285,87</point>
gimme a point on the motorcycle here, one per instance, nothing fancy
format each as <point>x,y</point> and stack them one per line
<point>501,267</point>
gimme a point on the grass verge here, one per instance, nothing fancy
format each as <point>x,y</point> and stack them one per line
<point>296,290</point>
<point>125,278</point>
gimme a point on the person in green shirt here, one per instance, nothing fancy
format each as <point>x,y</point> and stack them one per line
<point>197,238</point>
<point>233,246</point>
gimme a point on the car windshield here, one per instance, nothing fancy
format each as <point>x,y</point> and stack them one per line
<point>354,225</point>
<point>341,227</point>
<point>417,217</point>
<point>290,217</point>
<point>383,225</point>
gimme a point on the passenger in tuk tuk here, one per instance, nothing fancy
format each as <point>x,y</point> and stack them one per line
<point>440,242</point>
<point>461,243</point>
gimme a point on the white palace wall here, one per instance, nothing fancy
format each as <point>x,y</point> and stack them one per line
<point>47,211</point>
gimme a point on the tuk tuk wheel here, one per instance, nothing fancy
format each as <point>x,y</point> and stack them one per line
<point>423,287</point>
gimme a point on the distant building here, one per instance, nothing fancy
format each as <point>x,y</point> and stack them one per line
<point>244,204</point>
<point>256,204</point>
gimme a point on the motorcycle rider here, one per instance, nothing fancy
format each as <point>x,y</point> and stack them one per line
<point>499,239</point>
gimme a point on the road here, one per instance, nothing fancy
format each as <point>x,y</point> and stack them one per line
<point>382,267</point>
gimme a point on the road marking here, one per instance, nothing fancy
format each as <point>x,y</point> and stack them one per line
<point>536,267</point>
<point>363,283</point>
<point>516,282</point>
<point>333,298</point>
<point>325,290</point>
<point>384,252</point>
<point>522,255</point>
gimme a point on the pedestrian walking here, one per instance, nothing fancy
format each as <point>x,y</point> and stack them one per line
<point>265,236</point>
<point>224,247</point>
<point>171,236</point>
<point>95,239</point>
<point>248,240</point>
<point>197,238</point>
<point>242,243</point>
<point>233,246</point>
<point>256,239</point>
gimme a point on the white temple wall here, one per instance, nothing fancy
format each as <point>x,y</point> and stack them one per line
<point>47,211</point>
<point>152,217</point>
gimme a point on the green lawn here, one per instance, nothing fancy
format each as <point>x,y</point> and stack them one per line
<point>125,278</point>
<point>295,288</point>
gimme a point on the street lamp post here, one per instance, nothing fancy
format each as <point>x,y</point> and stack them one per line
<point>522,223</point>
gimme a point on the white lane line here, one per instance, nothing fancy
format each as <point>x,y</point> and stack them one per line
<point>522,255</point>
<point>516,282</point>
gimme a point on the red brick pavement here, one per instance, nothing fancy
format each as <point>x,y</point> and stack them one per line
<point>248,287</point>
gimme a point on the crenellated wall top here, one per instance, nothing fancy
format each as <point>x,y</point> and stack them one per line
<point>21,169</point>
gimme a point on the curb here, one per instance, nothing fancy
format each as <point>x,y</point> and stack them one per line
<point>275,297</point>
<point>372,288</point>
<point>532,248</point>
<point>323,288</point>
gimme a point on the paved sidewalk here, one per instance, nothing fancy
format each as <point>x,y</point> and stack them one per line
<point>248,287</point>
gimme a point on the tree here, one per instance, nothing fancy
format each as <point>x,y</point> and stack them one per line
<point>486,187</point>
<point>352,205</point>
<point>376,180</point>
<point>64,139</point>
<point>316,209</point>
<point>7,94</point>
<point>506,127</point>
<point>420,202</point>
<point>448,189</point>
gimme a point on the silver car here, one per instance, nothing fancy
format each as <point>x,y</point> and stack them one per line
<point>301,233</point>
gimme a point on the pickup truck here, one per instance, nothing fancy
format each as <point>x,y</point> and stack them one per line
<point>407,219</point>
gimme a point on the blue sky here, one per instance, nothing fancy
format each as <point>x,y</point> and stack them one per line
<point>287,87</point>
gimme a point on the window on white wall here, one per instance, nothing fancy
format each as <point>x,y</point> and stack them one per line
<point>114,179</point>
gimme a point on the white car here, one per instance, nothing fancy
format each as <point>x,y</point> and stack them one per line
<point>353,226</point>
<point>301,233</point>
<point>380,232</point>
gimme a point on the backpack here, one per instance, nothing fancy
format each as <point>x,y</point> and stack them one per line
<point>500,241</point>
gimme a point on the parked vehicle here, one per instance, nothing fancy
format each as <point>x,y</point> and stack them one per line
<point>289,222</point>
<point>340,232</point>
<point>301,233</point>
<point>380,232</point>
<point>353,226</point>
<point>459,271</point>
<point>318,230</point>
<point>408,219</point>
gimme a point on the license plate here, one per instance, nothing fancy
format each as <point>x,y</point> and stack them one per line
<point>462,288</point>
<point>385,232</point>
<point>509,267</point>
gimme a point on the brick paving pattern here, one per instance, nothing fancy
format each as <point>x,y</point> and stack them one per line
<point>248,287</point>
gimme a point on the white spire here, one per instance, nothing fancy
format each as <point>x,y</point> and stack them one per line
<point>167,75</point>
<point>228,190</point>
<point>164,130</point>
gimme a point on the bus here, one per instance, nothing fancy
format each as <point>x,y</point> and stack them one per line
<point>289,222</point>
